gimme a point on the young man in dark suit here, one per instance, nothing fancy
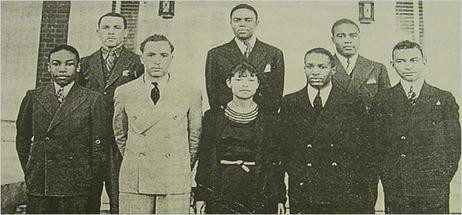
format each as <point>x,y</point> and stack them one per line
<point>245,47</point>
<point>321,126</point>
<point>103,71</point>
<point>418,134</point>
<point>359,76</point>
<point>62,139</point>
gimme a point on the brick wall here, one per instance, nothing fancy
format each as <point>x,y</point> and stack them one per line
<point>130,10</point>
<point>53,31</point>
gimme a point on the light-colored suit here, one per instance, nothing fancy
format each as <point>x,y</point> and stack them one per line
<point>158,142</point>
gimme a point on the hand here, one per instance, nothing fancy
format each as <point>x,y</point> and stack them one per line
<point>281,208</point>
<point>200,207</point>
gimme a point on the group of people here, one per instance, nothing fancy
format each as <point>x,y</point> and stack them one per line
<point>335,138</point>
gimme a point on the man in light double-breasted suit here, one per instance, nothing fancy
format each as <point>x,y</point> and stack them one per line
<point>157,124</point>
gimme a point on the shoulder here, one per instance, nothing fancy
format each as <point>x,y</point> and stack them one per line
<point>371,62</point>
<point>294,98</point>
<point>87,58</point>
<point>269,47</point>
<point>443,94</point>
<point>130,54</point>
<point>220,49</point>
<point>127,88</point>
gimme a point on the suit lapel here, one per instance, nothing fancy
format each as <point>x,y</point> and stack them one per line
<point>119,66</point>
<point>96,67</point>
<point>48,99</point>
<point>361,72</point>
<point>73,100</point>
<point>328,111</point>
<point>340,76</point>
<point>424,102</point>
<point>258,53</point>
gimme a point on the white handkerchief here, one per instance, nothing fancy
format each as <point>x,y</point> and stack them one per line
<point>126,73</point>
<point>371,81</point>
<point>438,103</point>
<point>268,68</point>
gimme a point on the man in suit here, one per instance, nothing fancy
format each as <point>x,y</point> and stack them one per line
<point>62,138</point>
<point>418,132</point>
<point>361,77</point>
<point>321,126</point>
<point>245,47</point>
<point>103,71</point>
<point>157,125</point>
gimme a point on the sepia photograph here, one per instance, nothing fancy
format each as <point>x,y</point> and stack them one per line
<point>230,107</point>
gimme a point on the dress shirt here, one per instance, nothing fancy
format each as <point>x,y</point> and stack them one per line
<point>325,91</point>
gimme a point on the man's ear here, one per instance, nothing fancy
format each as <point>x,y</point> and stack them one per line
<point>126,32</point>
<point>334,69</point>
<point>392,63</point>
<point>228,82</point>
<point>424,60</point>
<point>77,69</point>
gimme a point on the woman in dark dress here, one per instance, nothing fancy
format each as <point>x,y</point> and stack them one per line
<point>238,166</point>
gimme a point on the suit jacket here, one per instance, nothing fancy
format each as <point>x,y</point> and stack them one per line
<point>208,177</point>
<point>126,68</point>
<point>61,147</point>
<point>158,143</point>
<point>368,78</point>
<point>324,154</point>
<point>420,144</point>
<point>268,61</point>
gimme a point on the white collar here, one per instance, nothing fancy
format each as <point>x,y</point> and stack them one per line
<point>325,91</point>
<point>416,86</point>
<point>66,88</point>
<point>343,60</point>
<point>242,46</point>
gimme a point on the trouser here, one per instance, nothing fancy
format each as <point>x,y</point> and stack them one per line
<point>400,204</point>
<point>56,205</point>
<point>134,203</point>
<point>369,195</point>
<point>110,178</point>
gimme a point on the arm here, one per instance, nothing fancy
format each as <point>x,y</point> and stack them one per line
<point>84,73</point>
<point>139,68</point>
<point>120,122</point>
<point>280,71</point>
<point>206,158</point>
<point>24,130</point>
<point>100,134</point>
<point>212,80</point>
<point>452,135</point>
<point>194,126</point>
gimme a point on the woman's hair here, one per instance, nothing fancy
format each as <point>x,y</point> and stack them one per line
<point>241,69</point>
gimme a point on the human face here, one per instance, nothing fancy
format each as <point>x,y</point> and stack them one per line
<point>243,23</point>
<point>111,31</point>
<point>409,63</point>
<point>156,58</point>
<point>318,70</point>
<point>346,39</point>
<point>63,66</point>
<point>244,86</point>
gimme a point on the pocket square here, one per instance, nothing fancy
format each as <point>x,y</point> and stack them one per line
<point>371,81</point>
<point>438,103</point>
<point>126,73</point>
<point>268,68</point>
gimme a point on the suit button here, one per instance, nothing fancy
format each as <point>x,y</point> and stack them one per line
<point>49,161</point>
<point>309,146</point>
<point>301,183</point>
<point>47,138</point>
<point>105,93</point>
<point>331,145</point>
<point>97,142</point>
<point>403,155</point>
<point>334,164</point>
<point>142,154</point>
<point>167,155</point>
<point>70,157</point>
<point>403,137</point>
<point>309,164</point>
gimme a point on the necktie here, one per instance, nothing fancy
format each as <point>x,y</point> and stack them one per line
<point>247,48</point>
<point>412,96</point>
<point>155,93</point>
<point>317,103</point>
<point>111,57</point>
<point>348,67</point>
<point>60,95</point>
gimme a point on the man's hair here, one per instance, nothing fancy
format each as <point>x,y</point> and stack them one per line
<point>64,47</point>
<point>113,14</point>
<point>244,6</point>
<point>343,21</point>
<point>321,51</point>
<point>406,44</point>
<point>242,68</point>
<point>156,38</point>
